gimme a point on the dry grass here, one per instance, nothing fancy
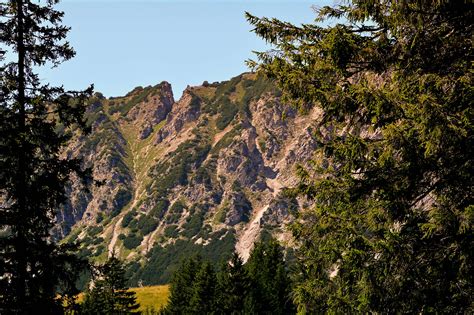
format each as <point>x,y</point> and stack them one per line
<point>205,92</point>
<point>150,298</point>
<point>153,297</point>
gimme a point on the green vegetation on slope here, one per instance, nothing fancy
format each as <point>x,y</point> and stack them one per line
<point>162,261</point>
<point>233,97</point>
<point>153,175</point>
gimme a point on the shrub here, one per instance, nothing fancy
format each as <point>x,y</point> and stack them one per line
<point>94,230</point>
<point>122,197</point>
<point>159,209</point>
<point>142,96</point>
<point>127,218</point>
<point>97,240</point>
<point>221,214</point>
<point>133,224</point>
<point>99,250</point>
<point>227,112</point>
<point>99,218</point>
<point>174,172</point>
<point>114,108</point>
<point>193,223</point>
<point>132,241</point>
<point>227,87</point>
<point>175,211</point>
<point>171,231</point>
<point>195,103</point>
<point>84,253</point>
<point>262,144</point>
<point>177,207</point>
<point>147,224</point>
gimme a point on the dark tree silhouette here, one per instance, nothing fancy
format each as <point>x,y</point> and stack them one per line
<point>182,286</point>
<point>32,172</point>
<point>234,288</point>
<point>271,284</point>
<point>261,286</point>
<point>109,293</point>
<point>203,299</point>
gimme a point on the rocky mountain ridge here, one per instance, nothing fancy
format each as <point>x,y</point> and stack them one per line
<point>203,174</point>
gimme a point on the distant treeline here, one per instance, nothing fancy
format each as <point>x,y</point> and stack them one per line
<point>260,286</point>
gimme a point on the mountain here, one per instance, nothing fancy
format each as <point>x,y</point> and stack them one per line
<point>203,174</point>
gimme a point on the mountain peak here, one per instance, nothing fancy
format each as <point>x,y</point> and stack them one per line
<point>202,174</point>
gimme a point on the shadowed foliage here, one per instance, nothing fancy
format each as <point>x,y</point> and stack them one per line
<point>109,293</point>
<point>261,286</point>
<point>36,122</point>
<point>392,226</point>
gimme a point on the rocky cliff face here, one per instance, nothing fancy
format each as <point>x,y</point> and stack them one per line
<point>203,174</point>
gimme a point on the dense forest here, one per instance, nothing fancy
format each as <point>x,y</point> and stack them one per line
<point>389,228</point>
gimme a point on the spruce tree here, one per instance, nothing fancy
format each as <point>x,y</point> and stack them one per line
<point>234,288</point>
<point>182,286</point>
<point>203,299</point>
<point>33,173</point>
<point>109,293</point>
<point>392,226</point>
<point>271,284</point>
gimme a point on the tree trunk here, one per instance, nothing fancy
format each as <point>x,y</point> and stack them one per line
<point>21,185</point>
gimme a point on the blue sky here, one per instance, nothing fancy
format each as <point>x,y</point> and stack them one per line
<point>123,44</point>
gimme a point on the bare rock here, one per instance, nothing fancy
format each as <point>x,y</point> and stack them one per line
<point>152,110</point>
<point>238,209</point>
<point>187,109</point>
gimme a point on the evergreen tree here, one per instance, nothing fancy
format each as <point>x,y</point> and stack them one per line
<point>203,299</point>
<point>109,293</point>
<point>182,286</point>
<point>271,285</point>
<point>392,226</point>
<point>32,172</point>
<point>234,288</point>
<point>261,286</point>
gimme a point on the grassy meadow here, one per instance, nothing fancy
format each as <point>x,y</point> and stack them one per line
<point>153,297</point>
<point>150,298</point>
